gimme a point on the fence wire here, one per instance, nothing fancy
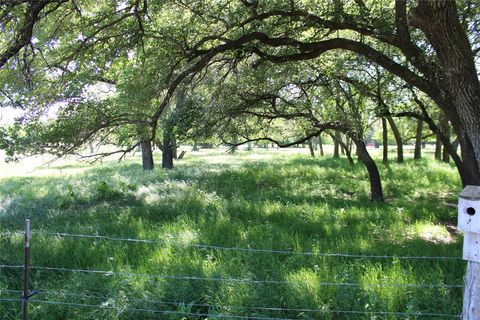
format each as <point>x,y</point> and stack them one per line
<point>225,316</point>
<point>239,249</point>
<point>105,305</point>
<point>237,280</point>
<point>176,303</point>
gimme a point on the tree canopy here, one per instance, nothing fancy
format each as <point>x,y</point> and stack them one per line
<point>239,67</point>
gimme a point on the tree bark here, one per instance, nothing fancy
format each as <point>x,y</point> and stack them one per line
<point>310,147</point>
<point>376,191</point>
<point>349,156</point>
<point>471,173</point>
<point>418,141</point>
<point>439,20</point>
<point>446,131</point>
<point>147,155</point>
<point>233,149</point>
<point>320,145</point>
<point>348,145</point>
<point>345,148</point>
<point>398,138</point>
<point>438,149</point>
<point>336,145</point>
<point>167,154</point>
<point>195,146</point>
<point>385,140</point>
<point>466,165</point>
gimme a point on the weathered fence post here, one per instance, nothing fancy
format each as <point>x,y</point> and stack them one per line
<point>469,223</point>
<point>471,296</point>
<point>26,263</point>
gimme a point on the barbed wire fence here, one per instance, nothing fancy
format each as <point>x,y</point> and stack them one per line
<point>45,294</point>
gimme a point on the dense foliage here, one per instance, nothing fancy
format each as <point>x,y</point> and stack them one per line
<point>400,55</point>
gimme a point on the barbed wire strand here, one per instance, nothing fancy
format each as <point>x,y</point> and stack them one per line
<point>195,278</point>
<point>10,291</point>
<point>10,299</point>
<point>239,249</point>
<point>168,312</point>
<point>176,303</point>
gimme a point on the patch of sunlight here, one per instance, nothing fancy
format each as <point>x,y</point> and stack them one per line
<point>5,203</point>
<point>305,281</point>
<point>154,193</point>
<point>148,194</point>
<point>8,205</point>
<point>121,178</point>
<point>259,156</point>
<point>209,198</point>
<point>395,274</point>
<point>429,232</point>
<point>271,207</point>
<point>183,237</point>
<point>39,166</point>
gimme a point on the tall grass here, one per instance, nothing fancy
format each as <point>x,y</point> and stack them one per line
<point>271,201</point>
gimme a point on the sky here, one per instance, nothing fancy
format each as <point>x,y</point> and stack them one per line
<point>8,115</point>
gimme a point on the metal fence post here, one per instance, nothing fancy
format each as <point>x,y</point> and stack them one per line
<point>26,263</point>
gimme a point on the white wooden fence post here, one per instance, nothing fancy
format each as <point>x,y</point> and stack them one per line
<point>469,223</point>
<point>471,296</point>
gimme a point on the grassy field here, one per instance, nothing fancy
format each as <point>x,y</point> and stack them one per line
<point>263,200</point>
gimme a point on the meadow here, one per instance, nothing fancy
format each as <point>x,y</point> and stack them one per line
<point>207,218</point>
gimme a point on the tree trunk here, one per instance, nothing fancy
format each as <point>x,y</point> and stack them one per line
<point>195,146</point>
<point>385,140</point>
<point>471,174</point>
<point>167,154</point>
<point>336,144</point>
<point>439,20</point>
<point>418,141</point>
<point>398,139</point>
<point>147,155</point>
<point>182,154</point>
<point>466,167</point>
<point>438,149</point>
<point>349,156</point>
<point>315,143</point>
<point>348,146</point>
<point>320,145</point>
<point>446,132</point>
<point>233,149</point>
<point>346,149</point>
<point>376,191</point>
<point>310,146</point>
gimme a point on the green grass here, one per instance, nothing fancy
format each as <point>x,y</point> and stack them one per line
<point>272,200</point>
